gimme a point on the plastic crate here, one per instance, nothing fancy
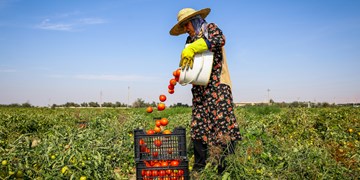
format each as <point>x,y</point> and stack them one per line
<point>171,146</point>
<point>180,172</point>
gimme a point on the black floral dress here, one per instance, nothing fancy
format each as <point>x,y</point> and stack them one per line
<point>214,121</point>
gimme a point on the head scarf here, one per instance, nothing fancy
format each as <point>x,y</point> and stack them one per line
<point>200,28</point>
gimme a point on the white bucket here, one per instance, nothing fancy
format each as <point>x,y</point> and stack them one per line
<point>201,71</point>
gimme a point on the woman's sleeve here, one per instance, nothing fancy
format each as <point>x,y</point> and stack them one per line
<point>215,37</point>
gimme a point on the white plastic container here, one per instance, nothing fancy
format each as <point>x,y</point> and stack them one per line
<point>201,71</point>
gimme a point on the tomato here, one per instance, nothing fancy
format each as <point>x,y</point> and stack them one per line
<point>170,151</point>
<point>148,173</point>
<point>155,154</point>
<point>168,171</point>
<point>176,73</point>
<point>164,164</point>
<point>162,173</point>
<point>164,121</point>
<point>147,150</point>
<point>166,131</point>
<point>157,129</point>
<point>180,172</point>
<point>173,176</point>
<point>141,142</point>
<point>154,173</point>
<point>161,106</point>
<point>162,98</point>
<point>173,82</point>
<point>157,123</point>
<point>157,164</point>
<point>174,163</point>
<point>157,142</point>
<point>149,109</point>
<point>143,172</point>
<point>150,132</point>
<point>171,91</point>
<point>171,87</point>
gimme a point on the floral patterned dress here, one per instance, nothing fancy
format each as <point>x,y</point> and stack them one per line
<point>214,121</point>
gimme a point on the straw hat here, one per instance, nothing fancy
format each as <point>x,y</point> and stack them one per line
<point>184,15</point>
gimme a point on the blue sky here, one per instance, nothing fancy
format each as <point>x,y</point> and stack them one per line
<point>53,52</point>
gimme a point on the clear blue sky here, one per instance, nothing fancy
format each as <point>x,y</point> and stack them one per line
<point>53,52</point>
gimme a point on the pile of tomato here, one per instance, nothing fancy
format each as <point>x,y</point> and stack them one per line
<point>162,174</point>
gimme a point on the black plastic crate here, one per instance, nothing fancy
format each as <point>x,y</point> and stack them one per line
<point>160,146</point>
<point>180,172</point>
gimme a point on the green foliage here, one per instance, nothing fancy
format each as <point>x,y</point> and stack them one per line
<point>278,143</point>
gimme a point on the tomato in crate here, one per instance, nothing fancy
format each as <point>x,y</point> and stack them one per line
<point>162,169</point>
<point>165,146</point>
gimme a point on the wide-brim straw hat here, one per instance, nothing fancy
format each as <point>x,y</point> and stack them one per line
<point>184,15</point>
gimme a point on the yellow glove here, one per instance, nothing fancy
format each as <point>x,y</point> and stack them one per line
<point>188,53</point>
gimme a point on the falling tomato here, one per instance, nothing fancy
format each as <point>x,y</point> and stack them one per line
<point>157,129</point>
<point>149,109</point>
<point>161,106</point>
<point>164,121</point>
<point>158,123</point>
<point>162,98</point>
<point>171,91</point>
<point>173,82</point>
<point>177,72</point>
<point>170,86</point>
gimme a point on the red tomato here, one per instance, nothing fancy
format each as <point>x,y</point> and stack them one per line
<point>143,172</point>
<point>162,173</point>
<point>157,164</point>
<point>168,171</point>
<point>171,87</point>
<point>171,91</point>
<point>148,173</point>
<point>150,131</point>
<point>164,164</point>
<point>158,123</point>
<point>157,142</point>
<point>141,142</point>
<point>154,173</point>
<point>180,172</point>
<point>174,163</point>
<point>149,109</point>
<point>155,154</point>
<point>162,98</point>
<point>173,82</point>
<point>161,106</point>
<point>164,121</point>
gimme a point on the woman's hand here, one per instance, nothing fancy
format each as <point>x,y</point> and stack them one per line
<point>188,53</point>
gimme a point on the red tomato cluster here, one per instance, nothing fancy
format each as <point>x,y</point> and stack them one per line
<point>163,172</point>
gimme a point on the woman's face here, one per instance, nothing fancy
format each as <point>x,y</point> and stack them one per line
<point>189,28</point>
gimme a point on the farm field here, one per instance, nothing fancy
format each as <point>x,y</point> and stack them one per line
<point>97,143</point>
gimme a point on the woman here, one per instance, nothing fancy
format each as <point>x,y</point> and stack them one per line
<point>213,120</point>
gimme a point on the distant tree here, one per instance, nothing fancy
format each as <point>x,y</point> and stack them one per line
<point>107,104</point>
<point>71,104</point>
<point>93,104</point>
<point>140,103</point>
<point>119,104</point>
<point>27,104</point>
<point>84,104</point>
<point>179,105</point>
